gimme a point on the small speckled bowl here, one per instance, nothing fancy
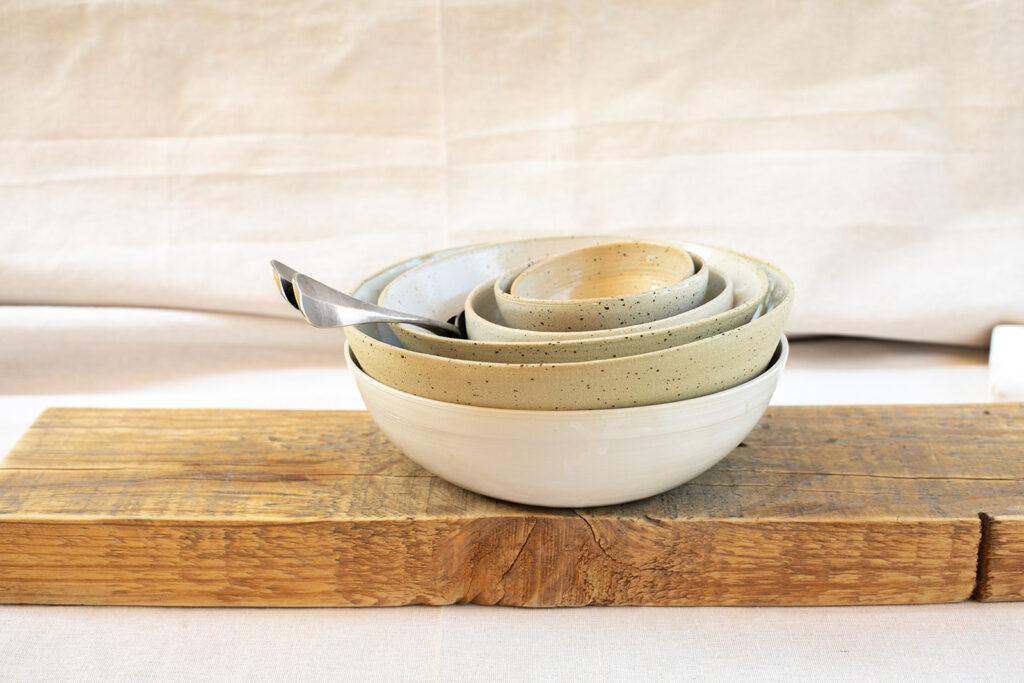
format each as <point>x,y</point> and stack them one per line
<point>696,369</point>
<point>485,323</point>
<point>601,287</point>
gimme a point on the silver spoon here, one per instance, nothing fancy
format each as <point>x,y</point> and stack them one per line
<point>324,306</point>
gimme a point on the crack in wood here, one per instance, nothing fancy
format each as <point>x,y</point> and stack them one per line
<point>762,487</point>
<point>232,470</point>
<point>984,549</point>
<point>604,551</point>
<point>519,552</point>
<point>745,470</point>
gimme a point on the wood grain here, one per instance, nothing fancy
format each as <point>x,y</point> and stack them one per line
<point>839,505</point>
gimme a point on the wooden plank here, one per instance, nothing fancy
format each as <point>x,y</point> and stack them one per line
<point>839,505</point>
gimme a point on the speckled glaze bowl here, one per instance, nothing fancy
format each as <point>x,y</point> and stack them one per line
<point>601,287</point>
<point>485,323</point>
<point>575,458</point>
<point>695,369</point>
<point>492,326</point>
<point>437,288</point>
<point>576,350</point>
<point>609,270</point>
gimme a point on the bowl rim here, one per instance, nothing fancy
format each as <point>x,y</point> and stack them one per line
<point>764,310</point>
<point>595,300</point>
<point>413,262</point>
<point>774,368</point>
<point>443,254</point>
<point>759,267</point>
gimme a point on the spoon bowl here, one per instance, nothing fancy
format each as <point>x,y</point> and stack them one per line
<point>324,306</point>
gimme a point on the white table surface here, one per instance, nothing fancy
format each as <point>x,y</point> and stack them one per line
<point>966,641</point>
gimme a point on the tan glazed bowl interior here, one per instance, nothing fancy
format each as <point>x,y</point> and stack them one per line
<point>603,286</point>
<point>609,270</point>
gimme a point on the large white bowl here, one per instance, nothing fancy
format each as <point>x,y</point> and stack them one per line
<point>570,458</point>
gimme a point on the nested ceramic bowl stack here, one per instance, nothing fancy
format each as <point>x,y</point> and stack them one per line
<point>597,370</point>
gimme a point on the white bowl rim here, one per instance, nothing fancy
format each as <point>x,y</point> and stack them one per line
<point>421,258</point>
<point>775,367</point>
<point>452,251</point>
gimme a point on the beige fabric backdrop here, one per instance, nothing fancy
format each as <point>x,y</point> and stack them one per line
<point>159,153</point>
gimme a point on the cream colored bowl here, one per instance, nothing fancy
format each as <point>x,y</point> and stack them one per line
<point>696,369</point>
<point>440,287</point>
<point>601,287</point>
<point>570,459</point>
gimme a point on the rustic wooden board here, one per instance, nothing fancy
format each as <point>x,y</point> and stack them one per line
<point>839,505</point>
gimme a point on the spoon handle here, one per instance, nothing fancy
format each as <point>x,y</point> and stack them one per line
<point>324,306</point>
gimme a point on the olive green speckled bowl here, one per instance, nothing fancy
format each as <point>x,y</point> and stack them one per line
<point>684,371</point>
<point>438,289</point>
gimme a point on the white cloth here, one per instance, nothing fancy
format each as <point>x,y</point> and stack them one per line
<point>160,153</point>
<point>957,643</point>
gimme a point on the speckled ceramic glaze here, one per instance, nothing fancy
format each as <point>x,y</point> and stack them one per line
<point>574,458</point>
<point>605,271</point>
<point>443,298</point>
<point>576,350</point>
<point>499,293</point>
<point>484,321</point>
<point>601,287</point>
<point>701,367</point>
